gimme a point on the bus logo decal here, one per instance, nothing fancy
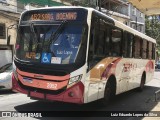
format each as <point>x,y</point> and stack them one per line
<point>29,80</point>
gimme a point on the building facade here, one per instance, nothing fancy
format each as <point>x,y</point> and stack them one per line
<point>137,19</point>
<point>8,30</point>
<point>122,11</point>
<point>9,18</point>
<point>117,9</point>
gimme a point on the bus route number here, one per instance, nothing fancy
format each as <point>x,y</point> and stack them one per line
<point>51,86</point>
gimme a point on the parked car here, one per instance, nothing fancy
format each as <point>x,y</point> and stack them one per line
<point>157,65</point>
<point>6,76</point>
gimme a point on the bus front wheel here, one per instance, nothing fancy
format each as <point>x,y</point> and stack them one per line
<point>107,94</point>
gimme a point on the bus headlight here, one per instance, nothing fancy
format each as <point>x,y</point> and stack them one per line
<point>75,79</point>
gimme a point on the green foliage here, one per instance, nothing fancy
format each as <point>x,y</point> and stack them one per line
<point>153,28</point>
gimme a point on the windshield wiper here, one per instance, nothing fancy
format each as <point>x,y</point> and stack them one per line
<point>34,36</point>
<point>55,34</point>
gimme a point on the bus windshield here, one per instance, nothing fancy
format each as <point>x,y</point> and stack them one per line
<point>50,43</point>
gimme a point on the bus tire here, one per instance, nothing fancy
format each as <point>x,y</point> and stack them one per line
<point>109,92</point>
<point>143,79</point>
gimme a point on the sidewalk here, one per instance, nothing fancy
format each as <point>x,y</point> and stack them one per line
<point>157,107</point>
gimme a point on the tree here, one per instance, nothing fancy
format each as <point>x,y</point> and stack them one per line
<point>153,28</point>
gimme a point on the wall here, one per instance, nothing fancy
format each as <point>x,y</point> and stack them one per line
<point>5,57</point>
<point>9,5</point>
<point>133,17</point>
<point>137,19</point>
<point>8,20</point>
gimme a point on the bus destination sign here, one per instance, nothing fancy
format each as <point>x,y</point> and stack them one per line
<point>54,16</point>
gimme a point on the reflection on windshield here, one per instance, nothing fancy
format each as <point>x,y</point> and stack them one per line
<point>67,44</point>
<point>61,49</point>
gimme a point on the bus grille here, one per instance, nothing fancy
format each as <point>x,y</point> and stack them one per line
<point>53,92</point>
<point>40,70</point>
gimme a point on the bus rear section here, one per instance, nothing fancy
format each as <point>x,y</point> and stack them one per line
<point>50,54</point>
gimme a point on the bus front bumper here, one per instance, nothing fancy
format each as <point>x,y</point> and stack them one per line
<point>73,94</point>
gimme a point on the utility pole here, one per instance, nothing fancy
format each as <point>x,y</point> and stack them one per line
<point>99,5</point>
<point>152,26</point>
<point>136,24</point>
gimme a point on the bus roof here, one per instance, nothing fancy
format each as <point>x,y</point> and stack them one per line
<point>117,23</point>
<point>133,31</point>
<point>127,28</point>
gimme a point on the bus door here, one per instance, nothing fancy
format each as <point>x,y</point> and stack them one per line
<point>129,65</point>
<point>119,51</point>
<point>126,79</point>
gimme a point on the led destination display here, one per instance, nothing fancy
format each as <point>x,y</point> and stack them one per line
<point>55,15</point>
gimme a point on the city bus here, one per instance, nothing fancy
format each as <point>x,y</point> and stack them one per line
<point>79,55</point>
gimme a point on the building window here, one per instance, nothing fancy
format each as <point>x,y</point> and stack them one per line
<point>2,31</point>
<point>134,11</point>
<point>141,15</point>
<point>133,26</point>
<point>126,23</point>
<point>141,28</point>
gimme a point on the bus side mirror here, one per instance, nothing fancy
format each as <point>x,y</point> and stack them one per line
<point>8,40</point>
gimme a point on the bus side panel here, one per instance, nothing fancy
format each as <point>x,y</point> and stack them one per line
<point>129,73</point>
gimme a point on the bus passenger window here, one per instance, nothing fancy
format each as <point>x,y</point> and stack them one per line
<point>91,45</point>
<point>130,45</point>
<point>153,51</point>
<point>107,41</point>
<point>127,44</point>
<point>116,42</point>
<point>147,50</point>
<point>100,45</point>
<point>144,53</point>
<point>150,51</point>
<point>96,40</point>
<point>137,47</point>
